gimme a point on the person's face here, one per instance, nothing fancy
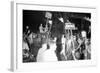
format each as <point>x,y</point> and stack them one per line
<point>79,40</point>
<point>53,46</point>
<point>30,39</point>
<point>74,38</point>
<point>44,46</point>
<point>77,55</point>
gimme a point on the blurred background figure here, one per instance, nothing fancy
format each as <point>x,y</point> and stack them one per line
<point>63,54</point>
<point>25,48</point>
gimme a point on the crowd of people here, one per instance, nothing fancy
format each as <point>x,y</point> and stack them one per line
<point>44,46</point>
<point>37,48</point>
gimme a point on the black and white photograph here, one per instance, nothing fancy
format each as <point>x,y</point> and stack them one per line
<point>51,36</point>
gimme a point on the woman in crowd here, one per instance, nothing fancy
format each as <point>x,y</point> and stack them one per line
<point>63,54</point>
<point>47,55</point>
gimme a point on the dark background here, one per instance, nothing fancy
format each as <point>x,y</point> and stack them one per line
<point>33,19</point>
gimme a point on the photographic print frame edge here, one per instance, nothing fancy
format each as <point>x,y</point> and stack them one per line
<point>14,51</point>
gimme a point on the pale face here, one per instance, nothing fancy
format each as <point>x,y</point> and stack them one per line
<point>83,33</point>
<point>30,39</point>
<point>53,46</point>
<point>74,37</point>
<point>44,46</point>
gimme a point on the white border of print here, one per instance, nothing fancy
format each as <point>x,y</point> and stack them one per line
<point>16,61</point>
